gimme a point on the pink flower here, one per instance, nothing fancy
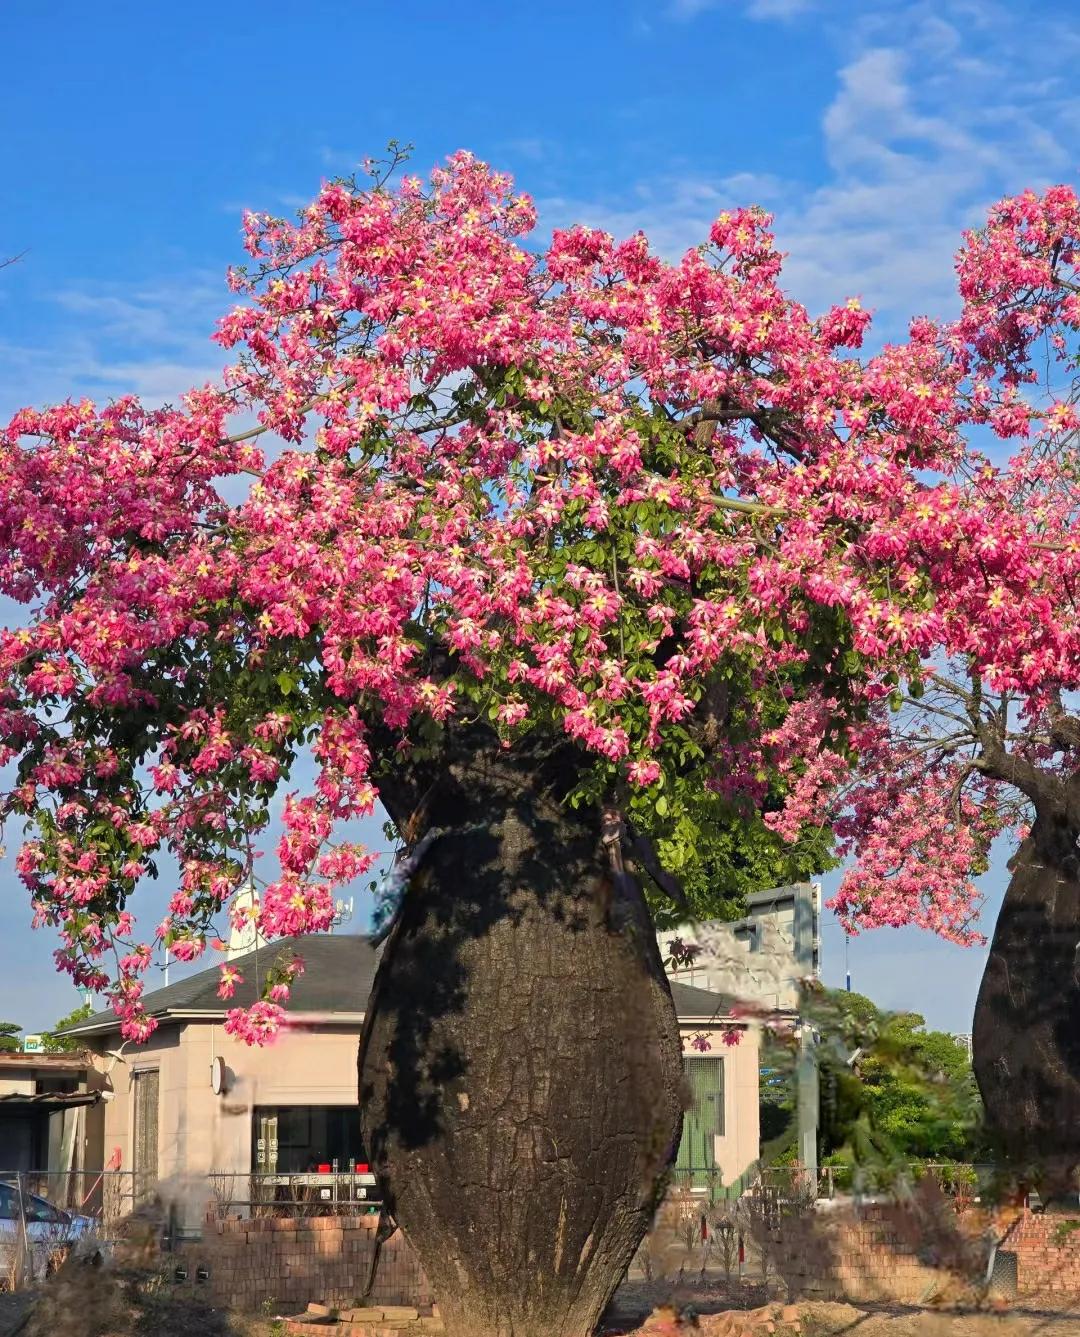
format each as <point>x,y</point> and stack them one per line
<point>643,772</point>
<point>259,1024</point>
<point>230,978</point>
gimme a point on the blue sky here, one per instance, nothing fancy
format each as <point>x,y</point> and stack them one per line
<point>134,134</point>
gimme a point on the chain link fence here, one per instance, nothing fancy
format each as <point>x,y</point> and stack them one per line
<point>44,1216</point>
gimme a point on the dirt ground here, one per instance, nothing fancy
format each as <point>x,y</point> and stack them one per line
<point>1024,1319</point>
<point>84,1310</point>
<point>827,1319</point>
<point>72,1315</point>
<point>84,1301</point>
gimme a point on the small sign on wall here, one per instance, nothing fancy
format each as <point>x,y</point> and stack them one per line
<point>33,1044</point>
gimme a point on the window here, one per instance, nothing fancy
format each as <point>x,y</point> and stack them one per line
<point>289,1139</point>
<point>145,1138</point>
<point>704,1120</point>
<point>9,1203</point>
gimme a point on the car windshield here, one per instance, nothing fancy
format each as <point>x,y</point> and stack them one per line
<point>38,1211</point>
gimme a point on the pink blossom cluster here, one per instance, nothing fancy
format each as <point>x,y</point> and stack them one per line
<point>568,486</point>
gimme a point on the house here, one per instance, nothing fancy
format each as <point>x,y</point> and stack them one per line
<point>762,959</point>
<point>192,1102</point>
<point>46,1101</point>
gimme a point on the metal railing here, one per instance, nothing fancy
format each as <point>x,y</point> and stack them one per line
<point>954,1179</point>
<point>958,1181</point>
<point>289,1195</point>
<point>707,1182</point>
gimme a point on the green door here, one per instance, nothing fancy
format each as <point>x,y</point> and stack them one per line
<point>703,1121</point>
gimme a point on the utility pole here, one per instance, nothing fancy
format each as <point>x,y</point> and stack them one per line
<point>808,1104</point>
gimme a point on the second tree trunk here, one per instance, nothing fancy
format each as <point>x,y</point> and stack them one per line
<point>1027,1019</point>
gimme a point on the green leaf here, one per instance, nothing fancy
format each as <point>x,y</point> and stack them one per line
<point>286,682</point>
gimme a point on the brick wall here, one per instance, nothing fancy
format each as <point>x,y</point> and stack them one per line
<point>1045,1264</point>
<point>881,1252</point>
<point>288,1263</point>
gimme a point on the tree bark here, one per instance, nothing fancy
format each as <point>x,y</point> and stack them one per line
<point>1026,1036</point>
<point>520,1071</point>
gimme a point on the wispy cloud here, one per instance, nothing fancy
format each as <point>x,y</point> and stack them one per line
<point>778,9</point>
<point>936,112</point>
<point>686,10</point>
<point>149,339</point>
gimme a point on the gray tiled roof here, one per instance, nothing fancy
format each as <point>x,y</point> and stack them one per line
<point>697,1004</point>
<point>340,970</point>
<point>338,978</point>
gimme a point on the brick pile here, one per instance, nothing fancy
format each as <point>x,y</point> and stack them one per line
<point>761,1322</point>
<point>289,1262</point>
<point>405,1321</point>
<point>366,1321</point>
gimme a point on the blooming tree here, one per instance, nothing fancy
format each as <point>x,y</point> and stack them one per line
<point>567,555</point>
<point>984,740</point>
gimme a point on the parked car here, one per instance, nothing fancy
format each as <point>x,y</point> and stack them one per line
<point>51,1232</point>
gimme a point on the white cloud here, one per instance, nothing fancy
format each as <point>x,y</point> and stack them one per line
<point>938,110</point>
<point>754,9</point>
<point>778,9</point>
<point>105,340</point>
<point>162,313</point>
<point>689,9</point>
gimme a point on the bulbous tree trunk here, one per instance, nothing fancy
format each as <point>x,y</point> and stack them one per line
<point>520,1071</point>
<point>1026,1036</point>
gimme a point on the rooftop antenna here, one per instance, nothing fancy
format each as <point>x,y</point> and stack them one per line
<point>165,967</point>
<point>245,936</point>
<point>847,968</point>
<point>343,912</point>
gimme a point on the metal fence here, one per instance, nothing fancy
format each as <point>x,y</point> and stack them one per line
<point>101,1195</point>
<point>44,1216</point>
<point>795,1181</point>
<point>707,1182</point>
<point>288,1195</point>
<point>954,1179</point>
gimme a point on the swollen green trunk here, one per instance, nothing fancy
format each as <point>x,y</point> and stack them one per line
<point>520,1071</point>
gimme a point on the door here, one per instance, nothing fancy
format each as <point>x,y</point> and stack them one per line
<point>703,1121</point>
<point>145,1131</point>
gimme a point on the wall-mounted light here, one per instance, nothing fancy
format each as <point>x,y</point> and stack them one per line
<point>217,1076</point>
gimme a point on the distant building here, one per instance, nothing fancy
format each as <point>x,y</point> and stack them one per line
<point>762,958</point>
<point>47,1108</point>
<point>964,1041</point>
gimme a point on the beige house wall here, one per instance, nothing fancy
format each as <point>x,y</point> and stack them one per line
<point>200,1132</point>
<point>737,1150</point>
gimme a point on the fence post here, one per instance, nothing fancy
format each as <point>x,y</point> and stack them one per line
<point>23,1262</point>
